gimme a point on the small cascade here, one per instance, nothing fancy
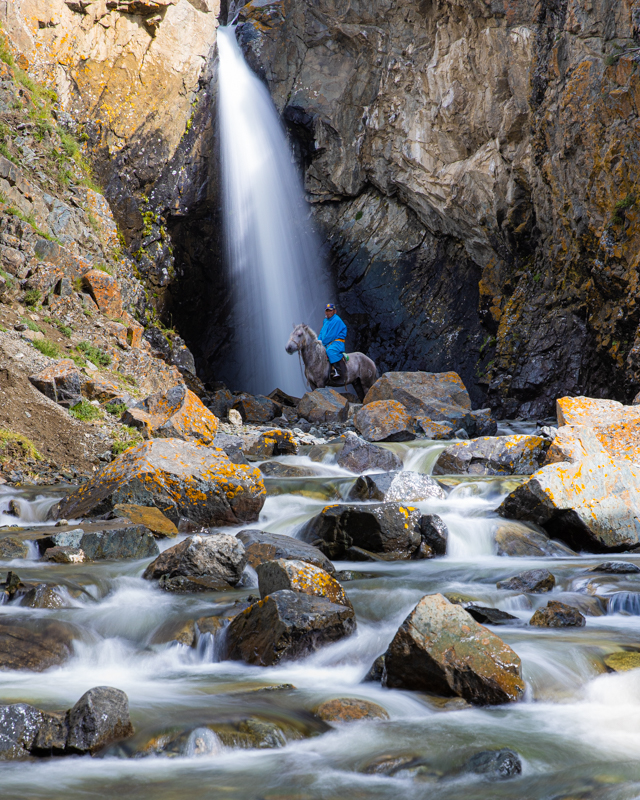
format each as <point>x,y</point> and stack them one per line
<point>19,509</point>
<point>625,603</point>
<point>277,273</point>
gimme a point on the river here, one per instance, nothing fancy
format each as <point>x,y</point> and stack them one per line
<point>577,730</point>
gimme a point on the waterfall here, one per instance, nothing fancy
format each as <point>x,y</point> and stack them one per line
<point>278,277</point>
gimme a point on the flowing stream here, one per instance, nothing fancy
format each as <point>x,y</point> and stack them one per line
<point>577,730</point>
<point>277,272</point>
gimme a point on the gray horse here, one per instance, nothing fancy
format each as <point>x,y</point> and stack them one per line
<point>361,370</point>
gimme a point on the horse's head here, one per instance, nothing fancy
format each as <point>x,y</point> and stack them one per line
<point>297,340</point>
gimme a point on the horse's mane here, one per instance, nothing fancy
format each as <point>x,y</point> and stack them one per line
<point>308,330</point>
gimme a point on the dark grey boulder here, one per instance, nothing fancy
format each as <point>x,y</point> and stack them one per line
<point>360,456</point>
<point>371,487</point>
<point>261,546</point>
<point>377,672</point>
<point>534,581</point>
<point>99,718</point>
<point>494,765</point>
<point>616,568</point>
<point>217,556</point>
<point>434,534</point>
<point>381,528</point>
<point>286,625</point>
<point>192,583</point>
<point>558,615</point>
<point>135,542</point>
<point>489,616</point>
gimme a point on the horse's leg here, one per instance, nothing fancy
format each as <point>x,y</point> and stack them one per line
<point>357,385</point>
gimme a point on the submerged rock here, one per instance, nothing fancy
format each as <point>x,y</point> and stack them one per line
<point>557,615</point>
<point>359,456</point>
<point>493,455</point>
<point>286,625</point>
<point>495,765</point>
<point>43,595</point>
<point>324,405</point>
<point>217,556</point>
<point>622,661</point>
<point>299,576</point>
<point>440,648</point>
<point>276,469</point>
<point>385,421</point>
<point>34,645</point>
<point>261,546</point>
<point>381,528</point>
<point>176,413</point>
<point>181,478</point>
<point>13,547</point>
<point>349,709</point>
<point>616,568</point>
<point>516,539</point>
<point>132,542</point>
<point>180,631</point>
<point>534,581</point>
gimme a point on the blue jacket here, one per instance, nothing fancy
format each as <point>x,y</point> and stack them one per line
<point>332,335</point>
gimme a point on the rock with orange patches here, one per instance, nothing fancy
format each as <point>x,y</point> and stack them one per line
<point>441,649</point>
<point>299,576</point>
<point>180,478</point>
<point>271,443</point>
<point>104,289</point>
<point>493,455</point>
<point>385,421</point>
<point>61,382</point>
<point>175,414</point>
<point>592,504</point>
<point>98,388</point>
<point>349,709</point>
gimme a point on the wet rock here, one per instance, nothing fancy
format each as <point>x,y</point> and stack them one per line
<point>63,554</point>
<point>616,568</point>
<point>212,625</point>
<point>382,528</point>
<point>593,504</point>
<point>488,616</point>
<point>13,547</point>
<point>435,429</point>
<point>385,421</point>
<point>360,456</point>
<point>434,534</point>
<point>261,546</point>
<point>43,596</point>
<point>299,576</point>
<point>495,765</point>
<point>181,631</point>
<point>180,478</point>
<point>271,443</point>
<point>218,556</point>
<point>515,539</point>
<point>176,413</point>
<point>622,661</point>
<point>557,615</point>
<point>377,672</point>
<point>104,289</point>
<point>99,718</point>
<point>371,487</point>
<point>493,455</point>
<point>349,709</point>
<point>134,542</point>
<point>258,409</point>
<point>26,730</point>
<point>191,583</point>
<point>285,626</point>
<point>440,648</point>
<point>535,581</point>
<point>413,487</point>
<point>152,518</point>
<point>35,646</point>
<point>324,405</point>
<point>61,382</point>
<point>276,469</point>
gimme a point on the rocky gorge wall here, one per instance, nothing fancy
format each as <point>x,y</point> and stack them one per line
<point>472,168</point>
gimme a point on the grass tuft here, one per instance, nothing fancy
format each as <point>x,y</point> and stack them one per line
<point>15,445</point>
<point>47,348</point>
<point>85,411</point>
<point>95,354</point>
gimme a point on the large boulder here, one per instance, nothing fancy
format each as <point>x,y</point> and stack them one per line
<point>385,421</point>
<point>134,541</point>
<point>438,396</point>
<point>26,730</point>
<point>34,645</point>
<point>99,718</point>
<point>176,413</point>
<point>379,528</point>
<point>61,382</point>
<point>359,456</point>
<point>324,405</point>
<point>219,556</point>
<point>261,546</point>
<point>286,625</point>
<point>440,648</point>
<point>493,455</point>
<point>180,478</point>
<point>256,409</point>
<point>593,504</point>
<point>299,576</point>
<point>558,615</point>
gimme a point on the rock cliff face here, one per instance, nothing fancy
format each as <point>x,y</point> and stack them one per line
<point>473,166</point>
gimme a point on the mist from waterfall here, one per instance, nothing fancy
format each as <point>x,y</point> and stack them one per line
<point>277,273</point>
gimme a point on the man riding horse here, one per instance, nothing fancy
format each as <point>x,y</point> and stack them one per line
<point>332,335</point>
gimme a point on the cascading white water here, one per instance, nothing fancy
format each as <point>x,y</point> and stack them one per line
<point>277,273</point>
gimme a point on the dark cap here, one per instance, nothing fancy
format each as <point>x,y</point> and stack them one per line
<point>330,307</point>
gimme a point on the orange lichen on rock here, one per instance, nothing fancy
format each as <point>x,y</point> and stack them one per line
<point>104,289</point>
<point>175,414</point>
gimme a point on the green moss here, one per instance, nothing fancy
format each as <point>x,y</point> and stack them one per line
<point>14,445</point>
<point>47,348</point>
<point>95,354</point>
<point>358,215</point>
<point>85,411</point>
